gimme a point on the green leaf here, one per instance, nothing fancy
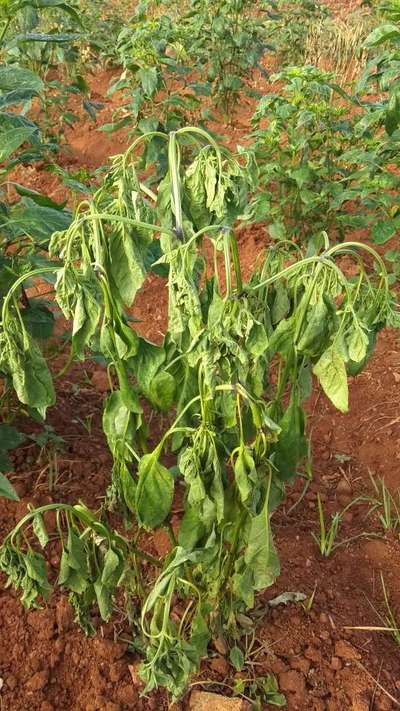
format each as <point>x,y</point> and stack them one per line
<point>281,304</point>
<point>10,437</point>
<point>331,372</point>
<point>13,139</point>
<point>392,118</point>
<point>257,341</point>
<point>383,230</point>
<point>38,320</point>
<point>76,552</point>
<point>245,473</point>
<point>39,530</point>
<point>16,78</point>
<point>162,391</point>
<point>292,444</point>
<point>111,565</point>
<point>103,597</point>
<point>59,38</point>
<point>7,490</point>
<point>260,555</point>
<point>127,251</point>
<point>358,345</point>
<point>155,491</point>
<point>317,330</point>
<point>149,80</point>
<point>382,34</point>
<point>236,658</point>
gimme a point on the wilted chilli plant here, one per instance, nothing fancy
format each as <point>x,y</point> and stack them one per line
<point>233,373</point>
<point>316,172</point>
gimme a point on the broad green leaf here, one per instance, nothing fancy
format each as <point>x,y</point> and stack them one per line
<point>7,490</point>
<point>59,38</point>
<point>149,80</point>
<point>10,437</point>
<point>14,77</point>
<point>127,251</point>
<point>155,491</point>
<point>117,423</point>
<point>236,658</point>
<point>331,372</point>
<point>358,345</point>
<point>382,34</point>
<point>39,530</point>
<point>245,473</point>
<point>383,230</point>
<point>260,555</point>
<point>257,341</point>
<point>281,305</point>
<point>162,391</point>
<point>317,330</point>
<point>103,598</point>
<point>111,566</point>
<point>13,139</point>
<point>191,530</point>
<point>292,443</point>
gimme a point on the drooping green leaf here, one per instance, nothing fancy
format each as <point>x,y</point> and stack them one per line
<point>331,372</point>
<point>155,491</point>
<point>260,555</point>
<point>6,489</point>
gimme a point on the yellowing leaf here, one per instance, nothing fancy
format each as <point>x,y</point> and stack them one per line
<point>331,372</point>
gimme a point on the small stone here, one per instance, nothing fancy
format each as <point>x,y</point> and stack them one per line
<point>220,665</point>
<point>336,664</point>
<point>344,487</point>
<point>38,681</point>
<point>42,622</point>
<point>207,701</point>
<point>64,615</point>
<point>348,517</point>
<point>323,618</point>
<point>111,706</point>
<point>127,695</point>
<point>11,681</point>
<point>292,681</point>
<point>100,381</point>
<point>221,646</point>
<point>46,706</point>
<point>300,664</point>
<point>313,654</point>
<point>134,672</point>
<point>116,671</point>
<point>107,649</point>
<point>346,651</point>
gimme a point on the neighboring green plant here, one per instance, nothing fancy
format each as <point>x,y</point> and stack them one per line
<point>158,95</point>
<point>290,25</point>
<point>379,94</point>
<point>43,36</point>
<point>228,39</point>
<point>315,171</point>
<point>9,439</point>
<point>233,373</point>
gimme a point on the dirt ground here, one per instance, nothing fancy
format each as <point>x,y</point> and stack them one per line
<point>46,663</point>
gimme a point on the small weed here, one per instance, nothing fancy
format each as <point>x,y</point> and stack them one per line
<point>327,534</point>
<point>387,503</point>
